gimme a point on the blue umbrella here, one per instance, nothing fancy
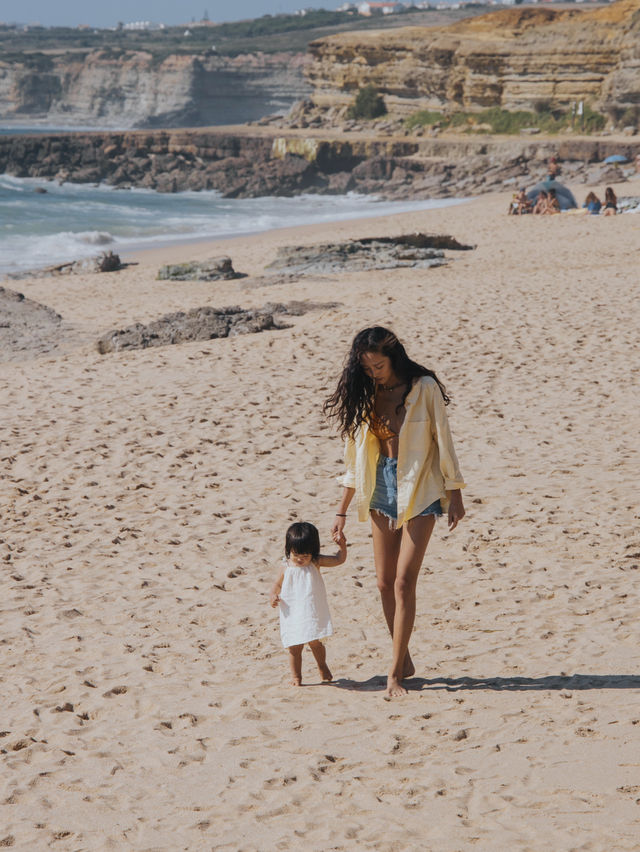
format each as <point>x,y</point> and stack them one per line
<point>616,158</point>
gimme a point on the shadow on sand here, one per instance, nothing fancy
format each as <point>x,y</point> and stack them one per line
<point>458,684</point>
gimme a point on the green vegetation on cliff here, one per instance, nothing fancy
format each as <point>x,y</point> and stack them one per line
<point>367,104</point>
<point>496,120</point>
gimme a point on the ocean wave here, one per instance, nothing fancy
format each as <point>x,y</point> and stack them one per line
<point>131,219</point>
<point>94,238</point>
<point>35,252</point>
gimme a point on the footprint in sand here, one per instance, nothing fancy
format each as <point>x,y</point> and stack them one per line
<point>117,690</point>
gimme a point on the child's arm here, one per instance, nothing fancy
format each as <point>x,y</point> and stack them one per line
<point>339,557</point>
<point>274,596</point>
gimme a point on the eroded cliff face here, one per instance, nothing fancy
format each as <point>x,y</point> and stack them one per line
<point>135,90</point>
<point>250,162</point>
<point>514,59</point>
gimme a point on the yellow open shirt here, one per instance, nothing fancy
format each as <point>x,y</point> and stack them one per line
<point>427,462</point>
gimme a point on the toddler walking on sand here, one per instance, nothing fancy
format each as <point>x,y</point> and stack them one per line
<point>300,591</point>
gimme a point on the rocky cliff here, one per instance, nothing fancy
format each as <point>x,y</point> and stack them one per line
<point>135,89</point>
<point>516,59</point>
<point>255,162</point>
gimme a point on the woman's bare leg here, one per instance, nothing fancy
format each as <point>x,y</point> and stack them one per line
<point>295,664</point>
<point>320,656</point>
<point>386,550</point>
<point>415,538</point>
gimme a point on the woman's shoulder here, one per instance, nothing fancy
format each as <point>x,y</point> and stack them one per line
<point>425,383</point>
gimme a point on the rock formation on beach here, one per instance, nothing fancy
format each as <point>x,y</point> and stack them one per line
<point>517,58</point>
<point>204,323</point>
<point>412,250</point>
<point>26,326</point>
<point>214,269</point>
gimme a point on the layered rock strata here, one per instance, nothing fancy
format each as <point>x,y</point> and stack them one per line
<point>515,59</point>
<point>252,163</point>
<point>134,89</point>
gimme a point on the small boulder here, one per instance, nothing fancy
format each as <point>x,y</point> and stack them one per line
<point>108,262</point>
<point>214,269</point>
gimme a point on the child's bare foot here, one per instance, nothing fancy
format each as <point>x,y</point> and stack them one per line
<point>394,687</point>
<point>295,664</point>
<point>409,669</point>
<point>325,673</point>
<point>320,656</point>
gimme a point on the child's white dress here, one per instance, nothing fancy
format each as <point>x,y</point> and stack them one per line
<point>304,610</point>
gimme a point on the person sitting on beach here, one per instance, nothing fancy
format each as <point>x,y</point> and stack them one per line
<point>553,205</point>
<point>610,202</point>
<point>520,204</point>
<point>300,592</point>
<point>592,204</point>
<point>401,472</point>
<point>541,202</point>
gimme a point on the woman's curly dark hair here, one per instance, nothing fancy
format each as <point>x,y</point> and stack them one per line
<point>352,402</point>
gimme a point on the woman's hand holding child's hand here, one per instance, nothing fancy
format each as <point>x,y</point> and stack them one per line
<point>274,599</point>
<point>338,527</point>
<point>338,536</point>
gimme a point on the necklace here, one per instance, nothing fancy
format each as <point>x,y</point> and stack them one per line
<point>391,387</point>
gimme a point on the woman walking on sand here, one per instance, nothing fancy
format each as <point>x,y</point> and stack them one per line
<point>401,468</point>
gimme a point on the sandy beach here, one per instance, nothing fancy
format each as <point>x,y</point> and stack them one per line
<point>145,496</point>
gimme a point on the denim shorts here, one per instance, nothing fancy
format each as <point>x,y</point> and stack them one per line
<point>385,495</point>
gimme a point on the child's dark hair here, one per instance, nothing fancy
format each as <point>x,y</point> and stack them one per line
<point>302,538</point>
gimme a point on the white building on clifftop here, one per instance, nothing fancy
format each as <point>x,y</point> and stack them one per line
<point>371,7</point>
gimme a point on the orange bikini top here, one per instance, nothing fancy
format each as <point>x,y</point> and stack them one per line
<point>381,430</point>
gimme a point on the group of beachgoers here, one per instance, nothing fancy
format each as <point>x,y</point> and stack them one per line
<point>546,203</point>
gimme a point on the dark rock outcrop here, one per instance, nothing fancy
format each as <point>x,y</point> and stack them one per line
<point>412,250</point>
<point>204,323</point>
<point>252,163</point>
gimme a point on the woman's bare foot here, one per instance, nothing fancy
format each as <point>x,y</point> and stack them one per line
<point>325,673</point>
<point>408,669</point>
<point>394,687</point>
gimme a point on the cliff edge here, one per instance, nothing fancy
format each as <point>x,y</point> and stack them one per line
<point>127,89</point>
<point>518,58</point>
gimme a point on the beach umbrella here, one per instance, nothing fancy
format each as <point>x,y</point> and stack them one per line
<point>563,193</point>
<point>615,158</point>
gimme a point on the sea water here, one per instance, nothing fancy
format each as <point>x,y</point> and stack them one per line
<point>71,221</point>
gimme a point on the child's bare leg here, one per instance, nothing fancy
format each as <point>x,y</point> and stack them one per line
<point>320,655</point>
<point>295,664</point>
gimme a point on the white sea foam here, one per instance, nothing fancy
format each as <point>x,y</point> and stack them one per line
<point>96,216</point>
